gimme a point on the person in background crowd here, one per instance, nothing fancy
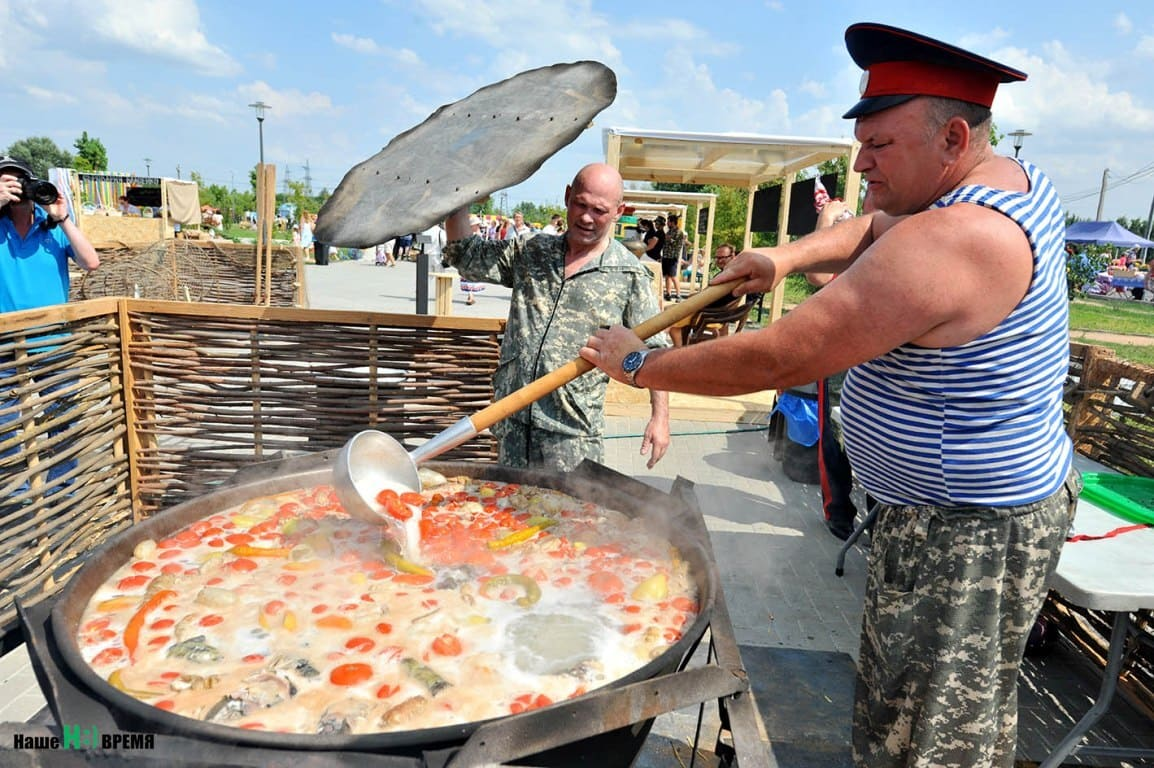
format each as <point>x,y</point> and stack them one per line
<point>401,247</point>
<point>555,225</point>
<point>518,229</point>
<point>36,243</point>
<point>952,410</point>
<point>126,208</point>
<point>435,245</point>
<point>672,251</point>
<point>307,220</point>
<point>655,240</point>
<point>564,287</point>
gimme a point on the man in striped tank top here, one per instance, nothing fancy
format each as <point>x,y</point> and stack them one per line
<point>950,312</point>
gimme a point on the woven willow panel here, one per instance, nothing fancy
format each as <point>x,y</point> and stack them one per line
<point>1111,415</point>
<point>64,471</point>
<point>214,393</point>
<point>213,271</point>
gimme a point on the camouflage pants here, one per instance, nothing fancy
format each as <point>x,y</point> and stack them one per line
<point>523,446</point>
<point>951,596</point>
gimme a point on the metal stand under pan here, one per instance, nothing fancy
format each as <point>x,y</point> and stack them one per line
<point>617,719</point>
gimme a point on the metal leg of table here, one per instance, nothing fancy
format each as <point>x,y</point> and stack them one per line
<point>1071,743</point>
<point>870,518</point>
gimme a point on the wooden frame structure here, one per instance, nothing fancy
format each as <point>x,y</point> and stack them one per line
<point>679,201</point>
<point>729,159</point>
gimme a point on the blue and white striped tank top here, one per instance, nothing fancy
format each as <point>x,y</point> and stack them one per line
<point>979,424</point>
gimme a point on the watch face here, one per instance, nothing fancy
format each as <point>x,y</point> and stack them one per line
<point>632,362</point>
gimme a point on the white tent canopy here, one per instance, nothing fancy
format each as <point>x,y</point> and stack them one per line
<point>730,159</point>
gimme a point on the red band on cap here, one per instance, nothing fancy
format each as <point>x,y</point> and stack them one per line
<point>919,78</point>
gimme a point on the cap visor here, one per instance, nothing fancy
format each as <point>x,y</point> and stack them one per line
<point>875,104</point>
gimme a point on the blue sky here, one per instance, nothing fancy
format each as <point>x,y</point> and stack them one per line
<point>170,80</point>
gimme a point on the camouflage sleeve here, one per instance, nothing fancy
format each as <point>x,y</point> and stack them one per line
<point>483,261</point>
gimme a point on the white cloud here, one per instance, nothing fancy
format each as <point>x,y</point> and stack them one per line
<point>813,88</point>
<point>165,29</point>
<point>46,96</point>
<point>1068,95</point>
<point>358,44</point>
<point>370,47</point>
<point>286,103</point>
<point>1123,24</point>
<point>532,33</point>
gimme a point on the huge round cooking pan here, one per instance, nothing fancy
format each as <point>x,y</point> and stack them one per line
<point>638,501</point>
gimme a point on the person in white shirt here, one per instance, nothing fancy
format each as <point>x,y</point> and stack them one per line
<point>554,226</point>
<point>519,230</point>
<point>434,244</point>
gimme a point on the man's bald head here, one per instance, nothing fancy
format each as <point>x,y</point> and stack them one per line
<point>601,179</point>
<point>593,203</point>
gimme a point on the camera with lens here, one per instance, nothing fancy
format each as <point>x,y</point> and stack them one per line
<point>38,190</point>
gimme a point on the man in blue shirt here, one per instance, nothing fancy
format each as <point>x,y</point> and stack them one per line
<point>35,245</point>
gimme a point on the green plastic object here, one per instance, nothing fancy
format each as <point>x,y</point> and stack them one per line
<point>1125,495</point>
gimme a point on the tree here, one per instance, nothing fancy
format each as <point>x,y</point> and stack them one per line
<point>41,153</point>
<point>90,154</point>
<point>297,197</point>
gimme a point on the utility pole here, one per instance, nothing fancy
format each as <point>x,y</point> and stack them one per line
<point>308,179</point>
<point>1102,195</point>
<point>1149,223</point>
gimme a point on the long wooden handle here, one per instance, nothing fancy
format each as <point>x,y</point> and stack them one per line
<point>538,388</point>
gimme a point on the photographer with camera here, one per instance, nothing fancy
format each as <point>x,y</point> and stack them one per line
<point>37,238</point>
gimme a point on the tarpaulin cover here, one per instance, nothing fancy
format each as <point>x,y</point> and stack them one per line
<point>800,417</point>
<point>183,201</point>
<point>1105,233</point>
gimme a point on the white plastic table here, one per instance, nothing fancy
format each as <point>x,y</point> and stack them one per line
<point>1115,575</point>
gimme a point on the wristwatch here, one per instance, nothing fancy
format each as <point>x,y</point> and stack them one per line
<point>632,364</point>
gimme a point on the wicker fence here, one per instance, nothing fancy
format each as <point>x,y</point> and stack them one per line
<point>214,271</point>
<point>115,408</point>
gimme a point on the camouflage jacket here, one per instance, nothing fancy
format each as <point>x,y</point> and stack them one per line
<point>550,319</point>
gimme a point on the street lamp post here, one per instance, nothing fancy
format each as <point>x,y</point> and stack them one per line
<point>1019,137</point>
<point>148,166</point>
<point>260,108</point>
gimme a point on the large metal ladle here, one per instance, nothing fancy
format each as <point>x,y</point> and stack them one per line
<point>372,461</point>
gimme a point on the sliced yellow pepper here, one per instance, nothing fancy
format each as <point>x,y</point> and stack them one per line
<point>118,603</point>
<point>537,524</point>
<point>247,550</point>
<point>116,680</point>
<point>655,588</point>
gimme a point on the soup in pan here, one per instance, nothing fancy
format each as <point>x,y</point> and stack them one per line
<point>285,614</point>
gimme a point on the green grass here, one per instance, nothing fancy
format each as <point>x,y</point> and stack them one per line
<point>1143,354</point>
<point>240,234</point>
<point>1112,316</point>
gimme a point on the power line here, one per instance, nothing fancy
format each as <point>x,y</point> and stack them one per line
<point>1141,173</point>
